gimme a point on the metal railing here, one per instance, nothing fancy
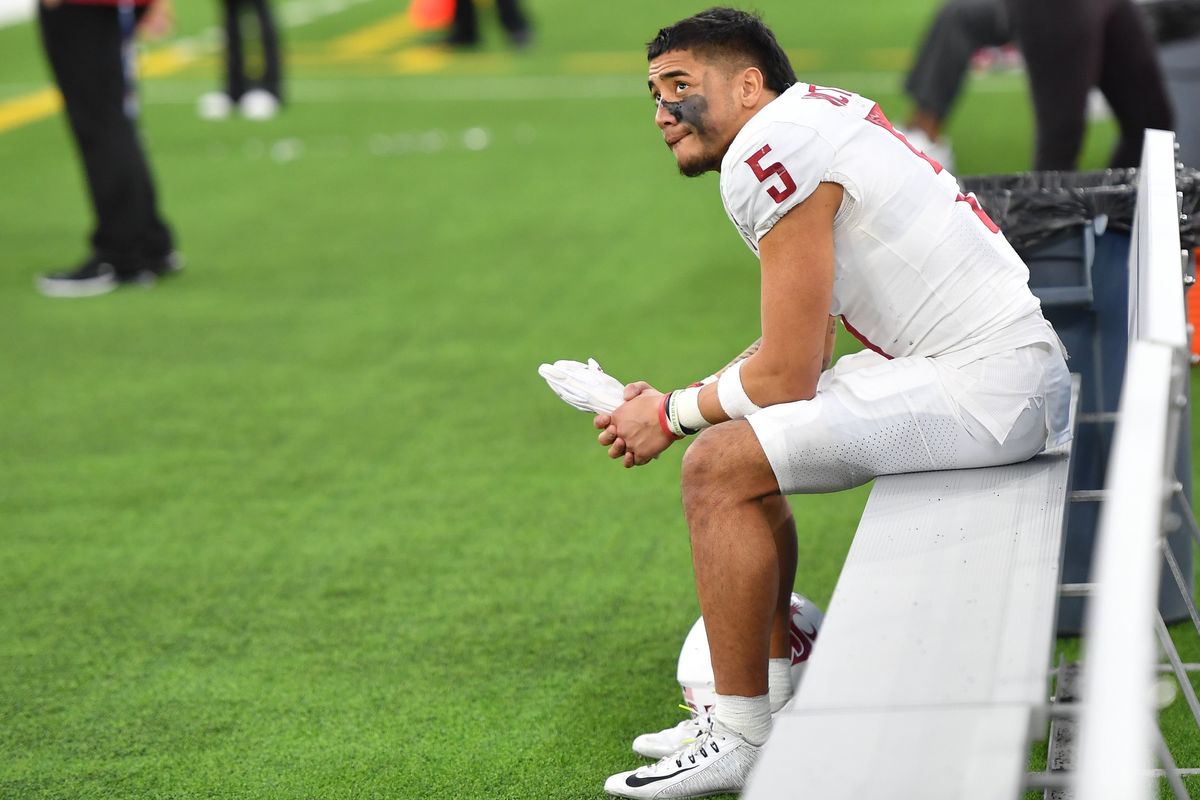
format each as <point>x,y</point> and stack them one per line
<point>1118,738</point>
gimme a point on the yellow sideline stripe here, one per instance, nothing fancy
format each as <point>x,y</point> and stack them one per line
<point>371,40</point>
<point>889,57</point>
<point>376,38</point>
<point>44,103</point>
<point>158,63</point>
<point>29,108</point>
<point>420,60</point>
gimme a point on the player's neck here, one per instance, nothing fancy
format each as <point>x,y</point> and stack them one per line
<point>765,100</point>
<point>750,112</point>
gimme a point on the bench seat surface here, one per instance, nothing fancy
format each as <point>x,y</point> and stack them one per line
<point>971,553</point>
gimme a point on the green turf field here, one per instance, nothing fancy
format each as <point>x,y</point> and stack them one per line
<point>304,522</point>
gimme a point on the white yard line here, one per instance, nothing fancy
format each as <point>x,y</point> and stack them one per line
<point>454,88</point>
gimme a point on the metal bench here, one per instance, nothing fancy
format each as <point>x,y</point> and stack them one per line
<point>930,676</point>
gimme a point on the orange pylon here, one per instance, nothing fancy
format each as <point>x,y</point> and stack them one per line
<point>1193,312</point>
<point>428,15</point>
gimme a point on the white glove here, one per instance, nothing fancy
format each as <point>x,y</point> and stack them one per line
<point>584,386</point>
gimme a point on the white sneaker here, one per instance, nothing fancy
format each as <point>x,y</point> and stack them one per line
<point>214,106</point>
<point>672,740</point>
<point>258,104</point>
<point>717,762</point>
<point>938,149</point>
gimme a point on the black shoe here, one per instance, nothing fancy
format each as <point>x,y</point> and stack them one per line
<point>166,265</point>
<point>97,276</point>
<point>93,277</point>
<point>151,269</point>
<point>521,39</point>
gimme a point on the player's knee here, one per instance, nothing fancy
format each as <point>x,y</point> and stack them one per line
<point>713,471</point>
<point>702,470</point>
<point>724,466</point>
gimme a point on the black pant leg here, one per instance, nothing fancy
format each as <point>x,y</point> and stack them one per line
<point>1062,43</point>
<point>959,29</point>
<point>272,79</point>
<point>466,22</point>
<point>83,46</point>
<point>1132,81</point>
<point>511,17</point>
<point>235,57</point>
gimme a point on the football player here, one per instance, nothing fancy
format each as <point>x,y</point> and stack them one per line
<point>848,222</point>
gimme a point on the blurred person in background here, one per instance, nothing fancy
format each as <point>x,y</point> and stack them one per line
<point>255,97</point>
<point>1069,47</point>
<point>958,31</point>
<point>465,31</point>
<point>89,44</point>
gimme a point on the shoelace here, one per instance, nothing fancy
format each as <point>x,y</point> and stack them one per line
<point>700,746</point>
<point>701,719</point>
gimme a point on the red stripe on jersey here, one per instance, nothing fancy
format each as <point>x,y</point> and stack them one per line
<point>866,342</point>
<point>876,116</point>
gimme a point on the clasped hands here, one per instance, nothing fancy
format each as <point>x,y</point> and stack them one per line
<point>632,432</point>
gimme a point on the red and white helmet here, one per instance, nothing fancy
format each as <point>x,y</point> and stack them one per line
<point>695,671</point>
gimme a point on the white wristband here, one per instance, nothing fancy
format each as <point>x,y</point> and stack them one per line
<point>734,400</point>
<point>687,405</point>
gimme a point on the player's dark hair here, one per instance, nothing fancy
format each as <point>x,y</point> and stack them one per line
<point>729,33</point>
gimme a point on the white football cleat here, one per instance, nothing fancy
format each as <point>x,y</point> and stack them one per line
<point>672,740</point>
<point>717,762</point>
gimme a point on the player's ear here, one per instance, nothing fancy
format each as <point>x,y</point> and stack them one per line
<point>750,86</point>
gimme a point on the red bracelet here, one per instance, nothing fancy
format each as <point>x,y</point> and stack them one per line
<point>662,417</point>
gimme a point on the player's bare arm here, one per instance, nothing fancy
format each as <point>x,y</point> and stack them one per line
<point>797,290</point>
<point>826,362</point>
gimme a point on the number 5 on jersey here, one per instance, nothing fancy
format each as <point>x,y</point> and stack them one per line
<point>772,170</point>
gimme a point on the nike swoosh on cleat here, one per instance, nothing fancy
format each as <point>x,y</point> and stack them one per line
<point>636,782</point>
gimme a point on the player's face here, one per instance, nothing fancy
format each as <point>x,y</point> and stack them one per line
<point>695,110</point>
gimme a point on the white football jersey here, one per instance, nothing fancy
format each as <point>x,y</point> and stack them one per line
<point>920,269</point>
